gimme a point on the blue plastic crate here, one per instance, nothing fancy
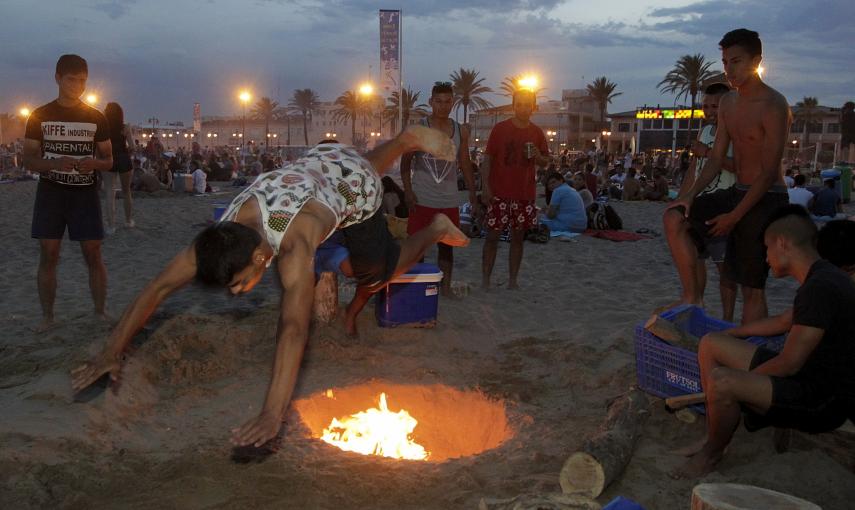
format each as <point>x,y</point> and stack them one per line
<point>665,370</point>
<point>411,299</point>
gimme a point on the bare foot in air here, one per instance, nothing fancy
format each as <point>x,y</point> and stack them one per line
<point>449,233</point>
<point>433,141</point>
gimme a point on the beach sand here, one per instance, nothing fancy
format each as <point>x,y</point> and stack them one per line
<point>554,353</point>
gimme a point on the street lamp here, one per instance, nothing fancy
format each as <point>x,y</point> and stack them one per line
<point>25,112</point>
<point>606,134</point>
<point>528,82</point>
<point>366,90</point>
<point>92,99</point>
<point>551,134</point>
<point>244,97</point>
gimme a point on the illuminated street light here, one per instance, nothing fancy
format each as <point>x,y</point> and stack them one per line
<point>366,89</point>
<point>25,112</point>
<point>244,97</point>
<point>92,99</point>
<point>528,82</point>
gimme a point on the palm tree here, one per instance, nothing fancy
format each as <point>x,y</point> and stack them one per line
<point>686,79</point>
<point>603,91</point>
<point>807,108</point>
<point>304,101</point>
<point>512,83</point>
<point>467,91</point>
<point>265,109</point>
<point>410,108</point>
<point>350,105</point>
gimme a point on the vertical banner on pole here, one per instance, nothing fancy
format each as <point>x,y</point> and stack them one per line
<point>197,117</point>
<point>390,45</point>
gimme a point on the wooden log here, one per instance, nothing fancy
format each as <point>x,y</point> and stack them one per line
<point>838,444</point>
<point>668,331</point>
<point>674,403</point>
<point>734,496</point>
<point>605,454</point>
<point>325,305</point>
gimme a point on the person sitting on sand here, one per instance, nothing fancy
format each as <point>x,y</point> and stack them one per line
<point>827,203</point>
<point>580,186</point>
<point>566,211</point>
<point>631,187</point>
<point>809,385</point>
<point>286,214</point>
<point>659,189</point>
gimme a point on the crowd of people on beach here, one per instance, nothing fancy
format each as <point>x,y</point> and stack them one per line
<point>727,200</point>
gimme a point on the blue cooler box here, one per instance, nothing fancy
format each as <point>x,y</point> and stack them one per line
<point>410,299</point>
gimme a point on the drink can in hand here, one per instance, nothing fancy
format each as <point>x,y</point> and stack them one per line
<point>528,149</point>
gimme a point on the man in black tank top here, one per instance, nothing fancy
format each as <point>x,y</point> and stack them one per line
<point>66,143</point>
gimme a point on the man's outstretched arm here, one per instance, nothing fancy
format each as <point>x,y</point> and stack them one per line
<point>178,272</point>
<point>296,271</point>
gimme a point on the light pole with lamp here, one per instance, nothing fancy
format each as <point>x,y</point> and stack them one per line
<point>366,90</point>
<point>605,136</point>
<point>244,97</point>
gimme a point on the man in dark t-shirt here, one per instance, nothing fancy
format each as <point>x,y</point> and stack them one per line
<point>809,385</point>
<point>66,143</point>
<point>827,202</point>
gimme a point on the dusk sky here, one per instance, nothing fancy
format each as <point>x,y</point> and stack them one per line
<point>158,57</point>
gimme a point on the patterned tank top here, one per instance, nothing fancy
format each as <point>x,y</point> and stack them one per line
<point>333,174</point>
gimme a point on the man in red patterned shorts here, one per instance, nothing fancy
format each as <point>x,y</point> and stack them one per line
<point>514,147</point>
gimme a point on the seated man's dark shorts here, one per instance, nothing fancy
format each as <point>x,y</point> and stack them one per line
<point>745,253</point>
<point>58,206</point>
<point>796,404</point>
<point>373,251</point>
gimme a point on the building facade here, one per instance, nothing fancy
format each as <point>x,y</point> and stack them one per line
<point>573,123</point>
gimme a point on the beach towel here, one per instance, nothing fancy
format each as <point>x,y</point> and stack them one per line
<point>563,233</point>
<point>616,235</point>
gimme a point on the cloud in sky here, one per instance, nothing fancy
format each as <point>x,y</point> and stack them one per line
<point>157,57</point>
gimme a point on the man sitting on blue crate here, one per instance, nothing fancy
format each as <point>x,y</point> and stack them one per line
<point>286,214</point>
<point>809,385</point>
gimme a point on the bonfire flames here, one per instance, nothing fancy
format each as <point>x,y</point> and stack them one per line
<point>376,432</point>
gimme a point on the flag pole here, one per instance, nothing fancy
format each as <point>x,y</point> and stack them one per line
<point>401,70</point>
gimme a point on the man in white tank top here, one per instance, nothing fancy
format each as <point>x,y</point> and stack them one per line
<point>715,247</point>
<point>430,184</point>
<point>235,253</point>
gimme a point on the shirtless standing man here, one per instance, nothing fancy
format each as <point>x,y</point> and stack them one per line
<point>756,120</point>
<point>287,214</point>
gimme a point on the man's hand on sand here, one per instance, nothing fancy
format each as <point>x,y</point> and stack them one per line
<point>722,224</point>
<point>681,203</point>
<point>257,431</point>
<point>433,141</point>
<point>92,370</point>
